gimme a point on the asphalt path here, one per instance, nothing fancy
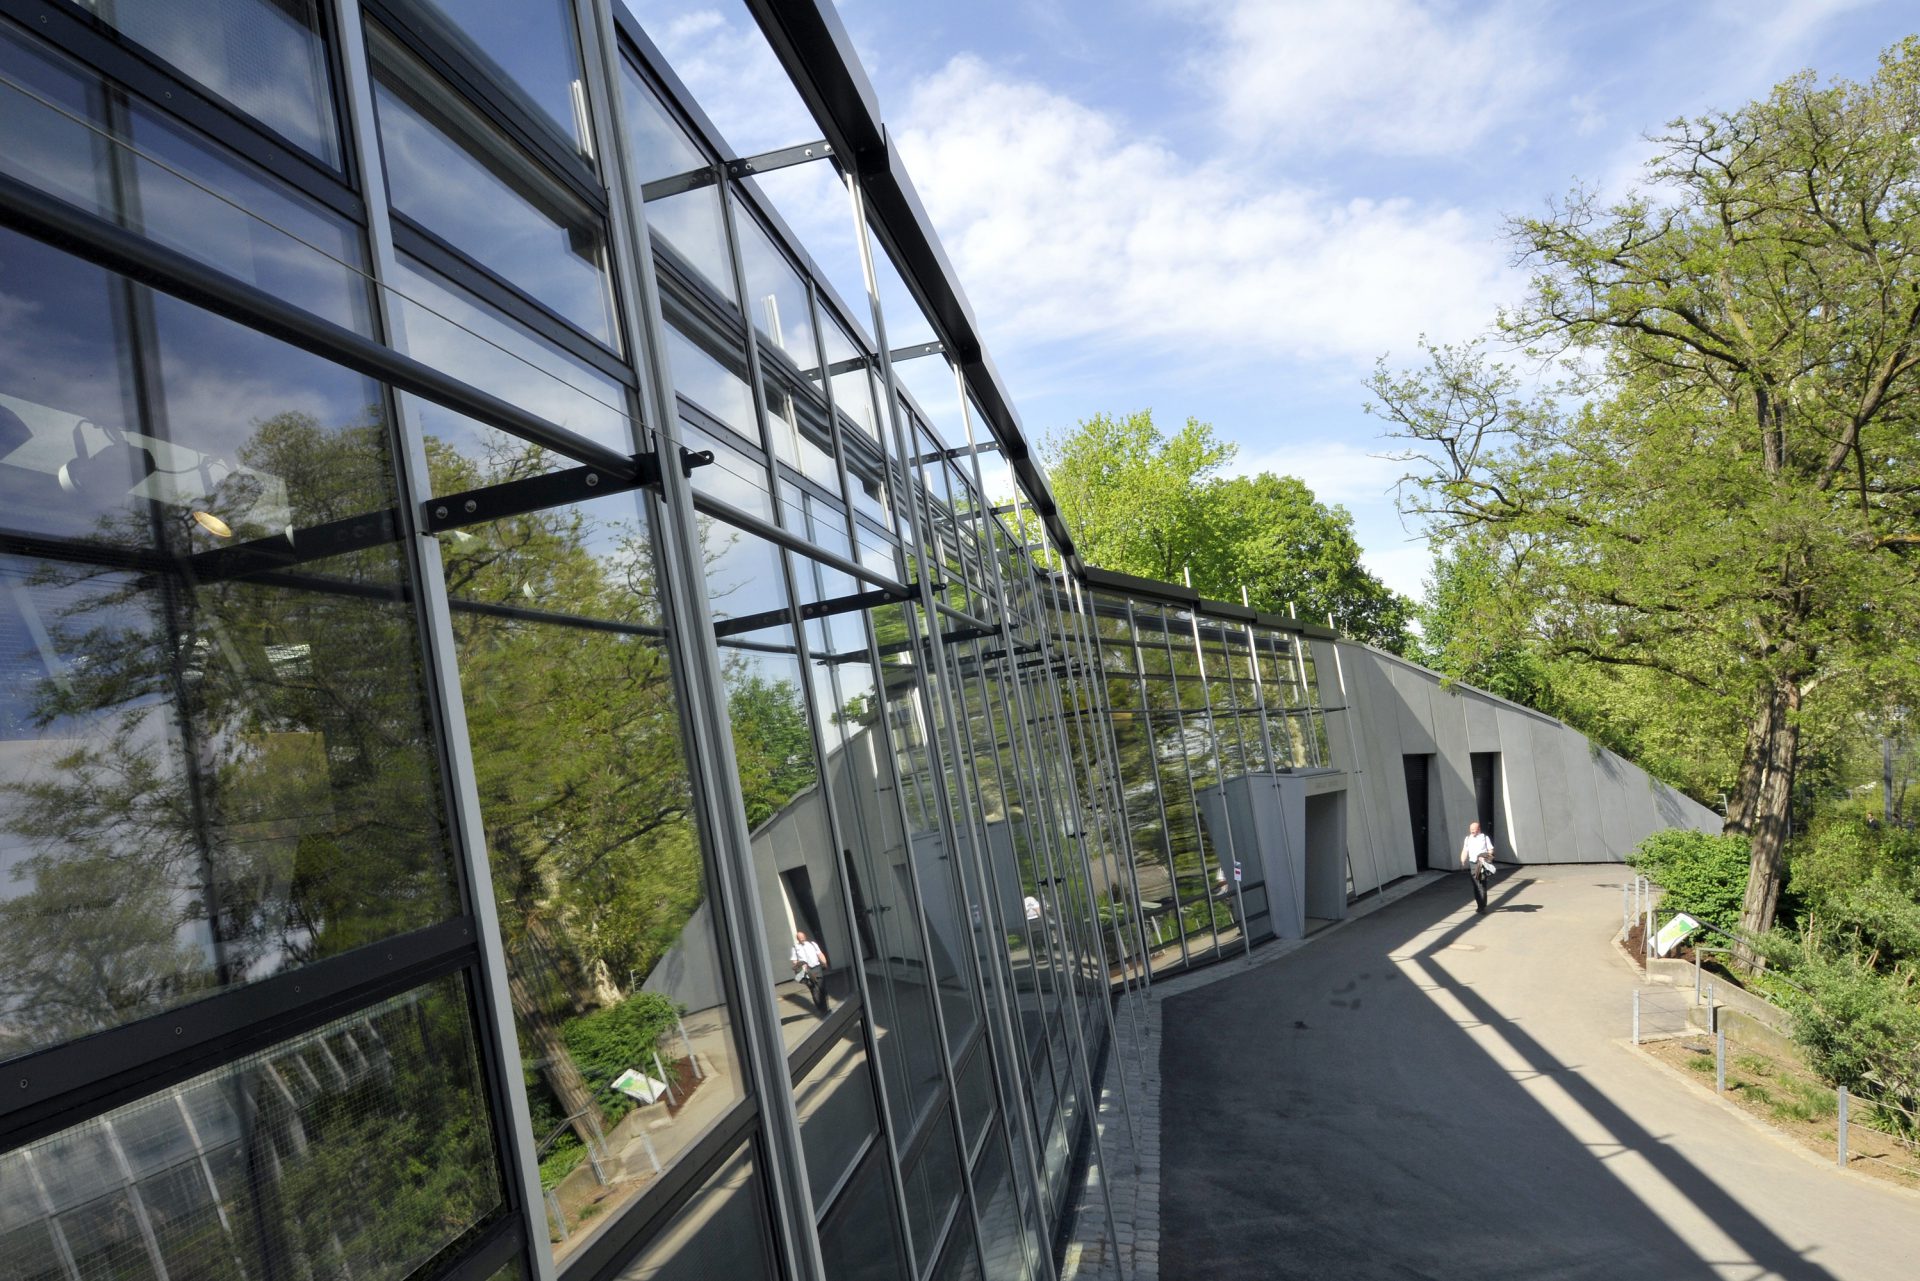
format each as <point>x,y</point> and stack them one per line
<point>1426,1092</point>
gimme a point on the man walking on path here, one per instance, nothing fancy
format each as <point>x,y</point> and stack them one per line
<point>1476,855</point>
<point>810,967</point>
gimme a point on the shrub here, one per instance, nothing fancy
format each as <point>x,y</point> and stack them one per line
<point>607,1042</point>
<point>1703,875</point>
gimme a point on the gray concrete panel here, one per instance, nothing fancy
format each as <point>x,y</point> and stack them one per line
<point>1583,797</point>
<point>1526,827</point>
<point>1556,819</point>
<point>1410,687</point>
<point>1483,721</point>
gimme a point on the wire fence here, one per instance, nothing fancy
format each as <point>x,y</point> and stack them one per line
<point>1756,1066</point>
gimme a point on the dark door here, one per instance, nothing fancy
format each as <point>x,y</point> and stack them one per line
<point>800,897</point>
<point>1486,796</point>
<point>1417,806</point>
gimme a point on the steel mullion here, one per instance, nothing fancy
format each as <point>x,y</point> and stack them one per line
<point>1220,784</point>
<point>496,1034</point>
<point>1090,1100</point>
<point>701,672</point>
<point>1159,780</point>
<point>936,660</point>
<point>1105,1001</point>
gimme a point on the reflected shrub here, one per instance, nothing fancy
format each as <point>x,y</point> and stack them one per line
<point>608,1042</point>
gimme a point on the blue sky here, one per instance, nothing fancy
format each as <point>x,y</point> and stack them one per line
<point>1230,208</point>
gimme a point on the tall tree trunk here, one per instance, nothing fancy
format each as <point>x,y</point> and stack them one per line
<point>532,983</point>
<point>1772,803</point>
<point>1741,806</point>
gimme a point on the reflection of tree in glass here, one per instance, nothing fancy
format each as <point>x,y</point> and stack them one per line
<point>577,755</point>
<point>236,773</point>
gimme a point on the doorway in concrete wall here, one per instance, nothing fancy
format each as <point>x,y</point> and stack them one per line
<point>1418,768</point>
<point>1486,792</point>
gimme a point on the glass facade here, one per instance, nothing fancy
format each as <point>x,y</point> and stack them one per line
<point>530,743</point>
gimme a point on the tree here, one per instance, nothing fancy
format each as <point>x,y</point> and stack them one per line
<point>1142,502</point>
<point>1726,493</point>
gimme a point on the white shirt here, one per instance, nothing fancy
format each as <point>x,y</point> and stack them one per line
<point>808,954</point>
<point>1032,905</point>
<point>1476,847</point>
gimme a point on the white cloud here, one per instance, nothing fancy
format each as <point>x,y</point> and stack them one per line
<point>1394,77</point>
<point>1336,472</point>
<point>1066,226</point>
<point>1402,566</point>
<point>733,74</point>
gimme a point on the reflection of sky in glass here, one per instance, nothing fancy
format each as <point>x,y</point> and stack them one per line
<point>265,58</point>
<point>691,221</point>
<point>254,233</point>
<point>532,42</point>
<point>487,199</point>
<point>480,346</point>
<point>709,384</point>
<point>775,295</point>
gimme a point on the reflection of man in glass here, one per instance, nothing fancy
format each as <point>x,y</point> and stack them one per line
<point>810,967</point>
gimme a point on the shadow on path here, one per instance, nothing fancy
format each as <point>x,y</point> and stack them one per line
<point>1334,1116</point>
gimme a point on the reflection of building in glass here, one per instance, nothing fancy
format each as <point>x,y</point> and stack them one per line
<point>474,587</point>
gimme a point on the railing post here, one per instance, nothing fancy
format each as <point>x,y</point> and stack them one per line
<point>1636,1016</point>
<point>1719,1060</point>
<point>1841,1100</point>
<point>1696,975</point>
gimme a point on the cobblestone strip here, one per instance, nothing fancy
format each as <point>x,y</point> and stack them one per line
<point>1133,1160</point>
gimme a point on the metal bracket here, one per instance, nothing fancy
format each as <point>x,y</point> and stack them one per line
<point>767,161</point>
<point>674,184</point>
<point>550,489</point>
<point>915,350</point>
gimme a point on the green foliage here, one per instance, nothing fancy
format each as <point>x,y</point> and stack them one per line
<point>1143,502</point>
<point>1724,493</point>
<point>607,1042</point>
<point>1854,959</point>
<point>1703,875</point>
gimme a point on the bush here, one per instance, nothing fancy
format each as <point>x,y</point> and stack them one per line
<point>607,1042</point>
<point>1703,875</point>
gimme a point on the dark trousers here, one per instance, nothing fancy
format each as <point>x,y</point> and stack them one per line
<point>1479,879</point>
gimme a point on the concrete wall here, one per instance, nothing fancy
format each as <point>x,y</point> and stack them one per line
<point>1562,798</point>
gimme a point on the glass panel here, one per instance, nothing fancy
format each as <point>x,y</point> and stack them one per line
<point>795,857</point>
<point>860,775</point>
<point>170,197</point>
<point>268,1167</point>
<point>961,1262</point>
<point>797,423</point>
<point>715,381</point>
<point>722,1232</point>
<point>217,760</point>
<point>837,1117</point>
<point>999,1217</point>
<point>860,1240</point>
<point>734,476</point>
<point>776,296</point>
<point>454,332</point>
<point>932,1178</point>
<point>579,764</point>
<point>975,1083</point>
<point>264,56</point>
<point>525,48</point>
<point>690,223</point>
<point>450,171</point>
